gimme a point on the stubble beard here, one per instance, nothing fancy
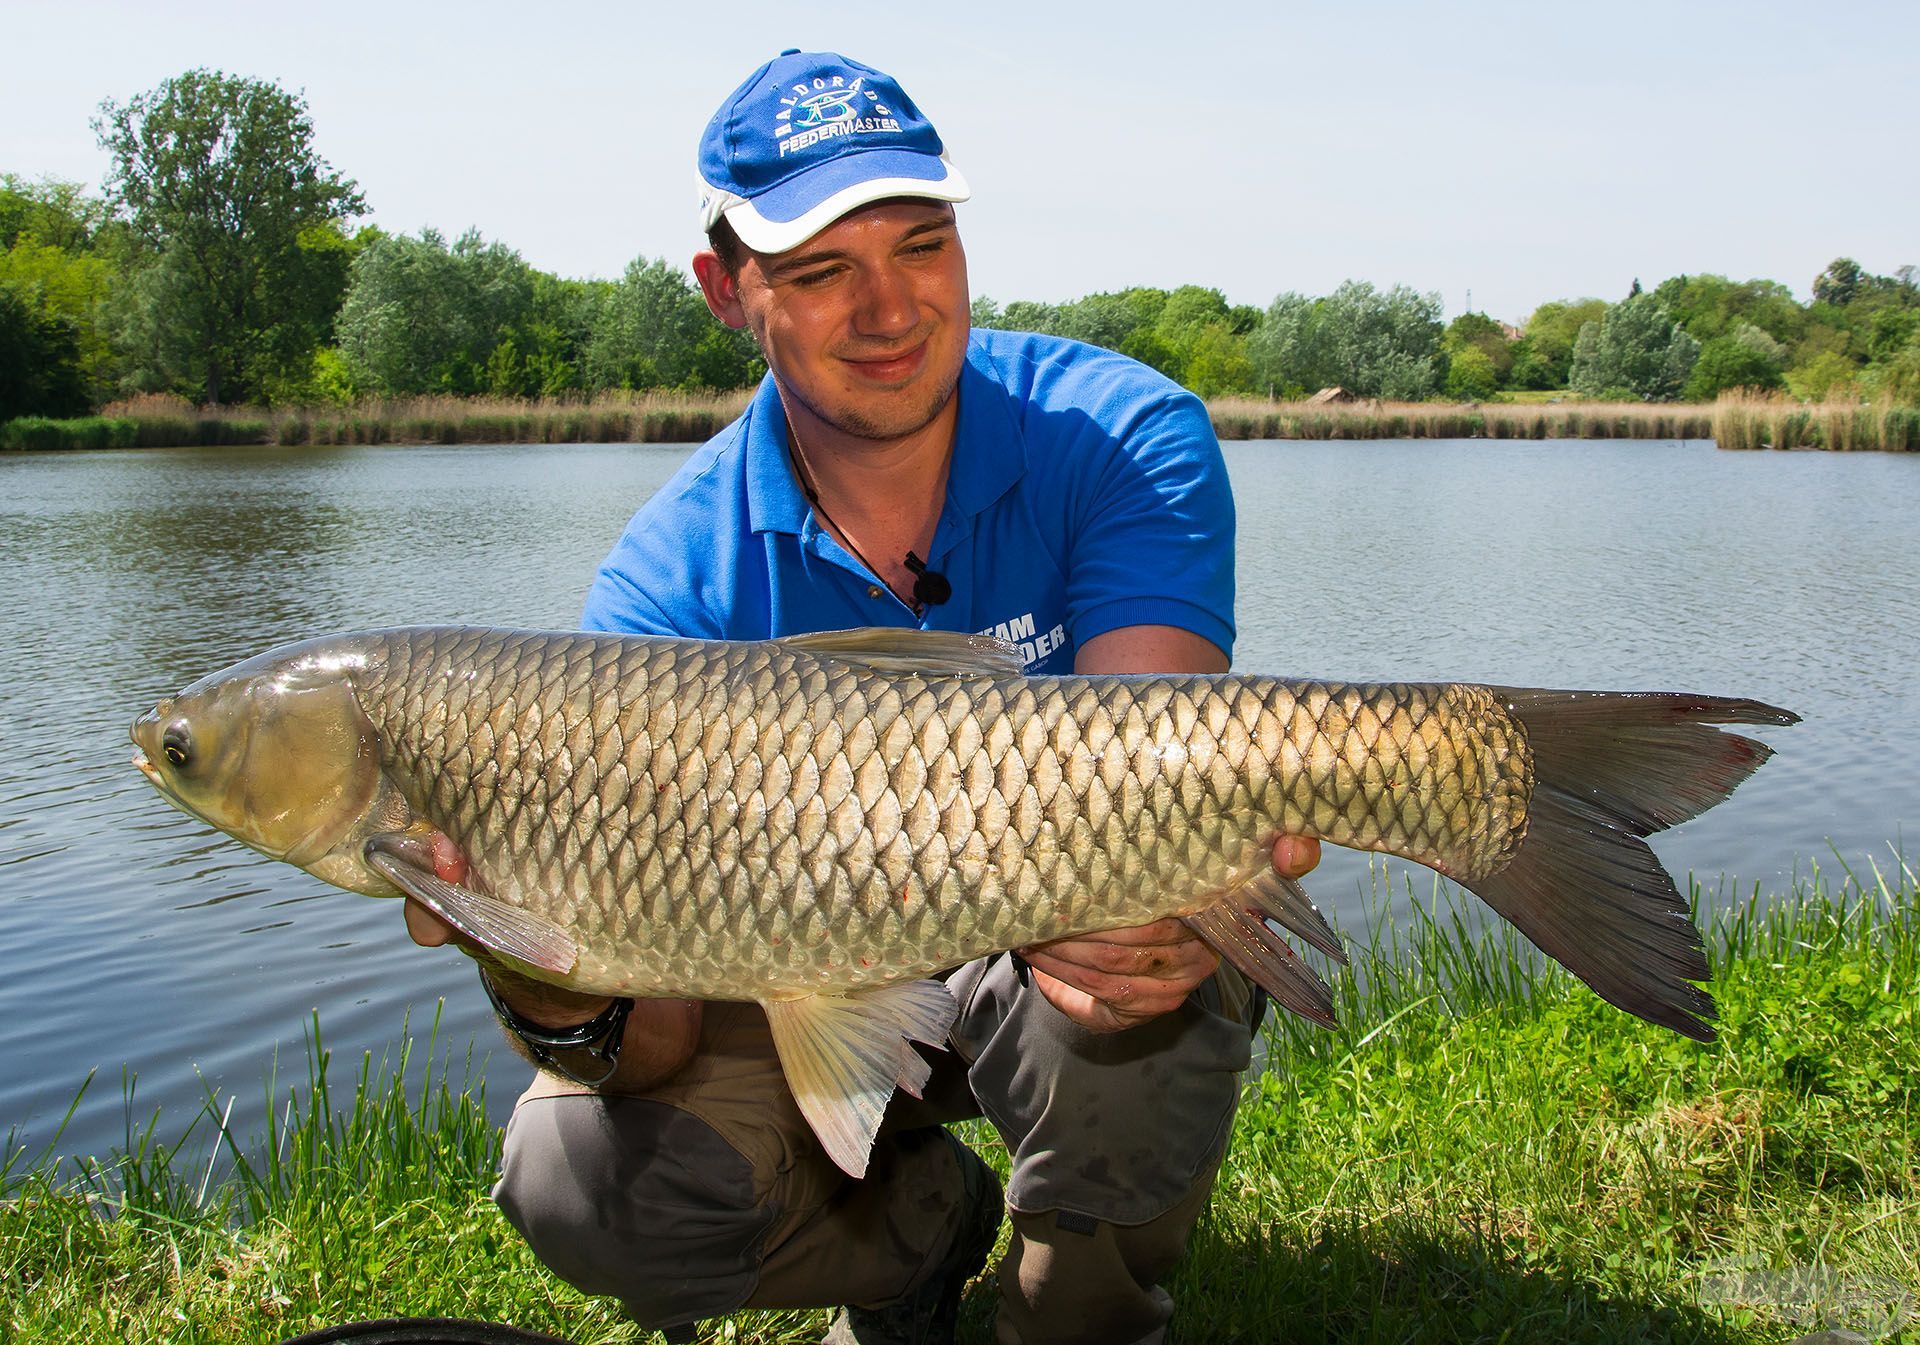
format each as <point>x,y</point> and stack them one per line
<point>907,420</point>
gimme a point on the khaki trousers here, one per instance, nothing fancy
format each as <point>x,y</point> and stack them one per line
<point>709,1193</point>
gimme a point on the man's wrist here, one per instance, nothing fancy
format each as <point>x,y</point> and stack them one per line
<point>587,1052</point>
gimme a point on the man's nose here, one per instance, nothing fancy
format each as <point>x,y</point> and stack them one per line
<point>888,306</point>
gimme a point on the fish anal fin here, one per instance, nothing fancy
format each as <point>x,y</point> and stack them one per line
<point>1250,945</point>
<point>889,649</point>
<point>1283,899</point>
<point>487,920</point>
<point>843,1056</point>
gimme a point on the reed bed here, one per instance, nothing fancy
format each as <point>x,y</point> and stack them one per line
<point>1254,418</point>
<point>171,422</point>
<point>1744,420</point>
<point>1482,1151</point>
<point>1735,421</point>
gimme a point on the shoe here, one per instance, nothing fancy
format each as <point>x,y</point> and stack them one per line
<point>931,1313</point>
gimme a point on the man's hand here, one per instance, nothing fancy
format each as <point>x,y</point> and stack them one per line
<point>1124,977</point>
<point>661,1033</point>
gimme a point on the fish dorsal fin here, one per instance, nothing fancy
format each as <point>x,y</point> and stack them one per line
<point>486,920</point>
<point>890,649</point>
<point>845,1054</point>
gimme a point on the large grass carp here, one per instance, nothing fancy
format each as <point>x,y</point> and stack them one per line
<point>819,822</point>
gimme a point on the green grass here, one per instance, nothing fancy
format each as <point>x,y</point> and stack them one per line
<point>1483,1152</point>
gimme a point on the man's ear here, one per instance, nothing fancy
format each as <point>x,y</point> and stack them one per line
<point>721,288</point>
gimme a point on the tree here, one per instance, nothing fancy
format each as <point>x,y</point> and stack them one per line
<point>219,178</point>
<point>72,288</point>
<point>1550,334</point>
<point>1471,376</point>
<point>1748,358</point>
<point>1377,343</point>
<point>39,361</point>
<point>1839,283</point>
<point>1480,333</point>
<point>420,316</point>
<point>644,331</point>
<point>1636,350</point>
<point>1712,305</point>
<point>51,212</point>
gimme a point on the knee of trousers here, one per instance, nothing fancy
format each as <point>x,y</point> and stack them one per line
<point>1122,1127</point>
<point>635,1199</point>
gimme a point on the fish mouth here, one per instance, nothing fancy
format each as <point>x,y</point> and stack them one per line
<point>146,768</point>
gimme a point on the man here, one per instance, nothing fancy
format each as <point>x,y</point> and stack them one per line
<point>896,470</point>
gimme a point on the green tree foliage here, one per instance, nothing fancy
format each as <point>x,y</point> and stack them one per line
<point>1711,306</point>
<point>71,287</point>
<point>1636,350</point>
<point>420,316</point>
<point>1376,343</point>
<point>1546,358</point>
<point>1839,284</point>
<point>1827,376</point>
<point>1192,334</point>
<point>236,218</point>
<point>1745,358</point>
<point>39,361</point>
<point>51,212</point>
<point>1471,376</point>
<point>653,330</point>
<point>1481,335</point>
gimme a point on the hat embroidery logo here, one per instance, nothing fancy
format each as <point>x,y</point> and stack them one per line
<point>825,108</point>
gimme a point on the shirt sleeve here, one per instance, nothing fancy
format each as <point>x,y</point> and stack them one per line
<point>616,604</point>
<point>1152,533</point>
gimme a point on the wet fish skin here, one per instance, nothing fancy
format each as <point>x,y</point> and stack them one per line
<point>793,820</point>
<point>745,820</point>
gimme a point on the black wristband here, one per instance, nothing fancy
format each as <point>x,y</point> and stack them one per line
<point>599,1036</point>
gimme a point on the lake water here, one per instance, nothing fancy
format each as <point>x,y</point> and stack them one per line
<point>138,942</point>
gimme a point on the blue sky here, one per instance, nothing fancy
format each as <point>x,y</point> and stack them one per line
<point>1524,152</point>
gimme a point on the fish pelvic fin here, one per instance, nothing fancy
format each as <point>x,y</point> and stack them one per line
<point>1609,770</point>
<point>486,920</point>
<point>1283,899</point>
<point>845,1054</point>
<point>1253,947</point>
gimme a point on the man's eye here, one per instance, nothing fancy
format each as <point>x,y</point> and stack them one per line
<point>812,278</point>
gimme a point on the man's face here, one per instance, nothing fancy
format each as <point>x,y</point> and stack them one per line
<point>865,323</point>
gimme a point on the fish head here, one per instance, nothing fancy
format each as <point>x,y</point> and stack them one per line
<point>278,753</point>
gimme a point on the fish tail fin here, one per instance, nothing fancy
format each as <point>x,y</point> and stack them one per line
<point>1610,770</point>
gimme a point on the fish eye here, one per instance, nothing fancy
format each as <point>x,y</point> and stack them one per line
<point>177,744</point>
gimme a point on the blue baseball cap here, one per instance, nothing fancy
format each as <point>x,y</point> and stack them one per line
<point>809,137</point>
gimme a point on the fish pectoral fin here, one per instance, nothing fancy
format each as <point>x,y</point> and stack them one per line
<point>1246,941</point>
<point>845,1054</point>
<point>486,920</point>
<point>1283,899</point>
<point>889,649</point>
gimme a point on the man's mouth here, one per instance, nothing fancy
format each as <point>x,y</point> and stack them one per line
<point>890,368</point>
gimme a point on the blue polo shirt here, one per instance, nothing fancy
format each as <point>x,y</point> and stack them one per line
<point>1086,493</point>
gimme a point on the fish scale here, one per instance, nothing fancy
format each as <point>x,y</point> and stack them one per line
<point>672,801</point>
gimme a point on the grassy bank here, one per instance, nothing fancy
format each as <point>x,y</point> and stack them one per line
<point>1484,1152</point>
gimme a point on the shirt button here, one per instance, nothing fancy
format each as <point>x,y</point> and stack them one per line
<point>873,590</point>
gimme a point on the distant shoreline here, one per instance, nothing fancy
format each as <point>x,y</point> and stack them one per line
<point>1737,422</point>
